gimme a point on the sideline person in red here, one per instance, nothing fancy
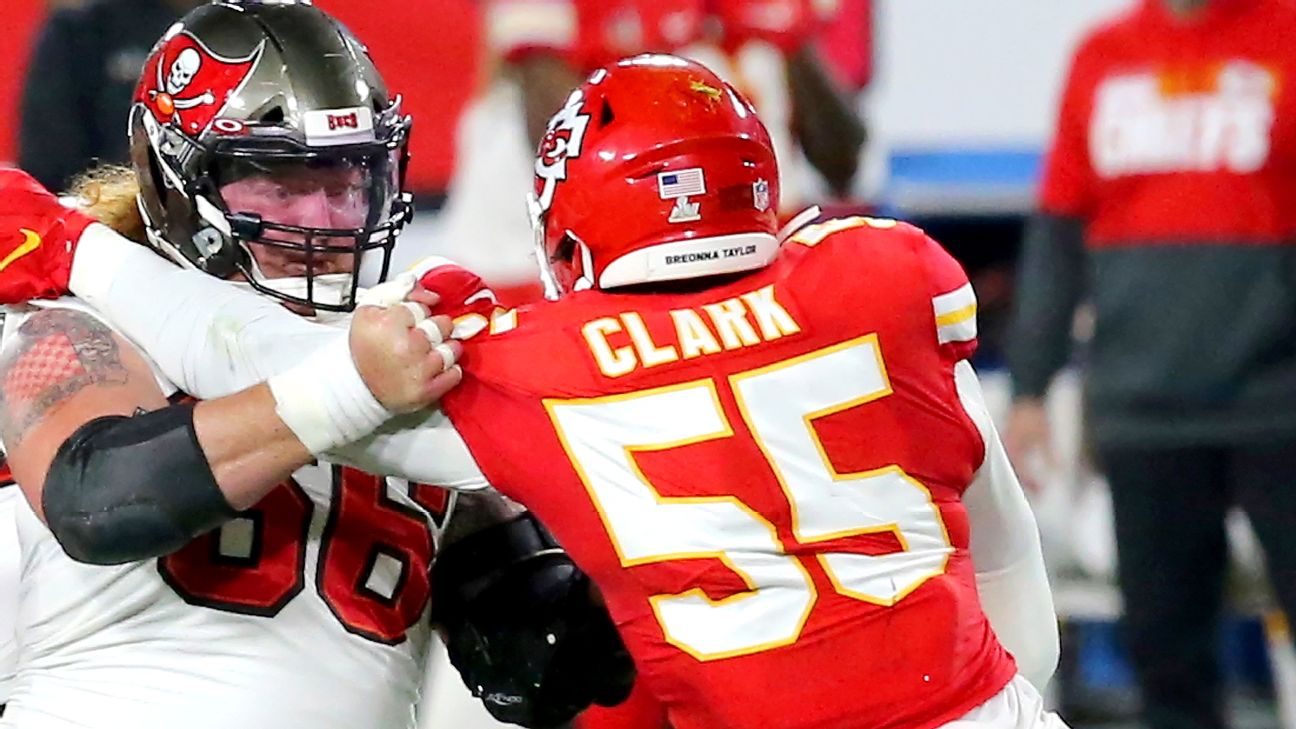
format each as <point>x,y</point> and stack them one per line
<point>1170,195</point>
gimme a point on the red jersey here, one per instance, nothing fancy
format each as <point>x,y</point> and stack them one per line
<point>639,711</point>
<point>594,33</point>
<point>1181,130</point>
<point>763,477</point>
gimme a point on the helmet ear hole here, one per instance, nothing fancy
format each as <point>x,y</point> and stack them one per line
<point>565,252</point>
<point>606,116</point>
<point>273,115</point>
<point>156,178</point>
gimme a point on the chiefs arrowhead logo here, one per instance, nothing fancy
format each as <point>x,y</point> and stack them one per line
<point>562,142</point>
<point>185,82</point>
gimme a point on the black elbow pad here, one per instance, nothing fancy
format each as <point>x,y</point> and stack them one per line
<point>126,489</point>
<point>522,628</point>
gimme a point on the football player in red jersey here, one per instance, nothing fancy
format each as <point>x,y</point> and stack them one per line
<point>767,448</point>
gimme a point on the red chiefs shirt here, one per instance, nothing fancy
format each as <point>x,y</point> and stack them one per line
<point>1174,129</point>
<point>591,33</point>
<point>763,478</point>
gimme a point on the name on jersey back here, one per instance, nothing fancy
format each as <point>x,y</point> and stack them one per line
<point>622,344</point>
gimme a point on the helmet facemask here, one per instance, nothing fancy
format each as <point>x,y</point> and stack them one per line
<point>307,224</point>
<point>297,223</point>
<point>258,162</point>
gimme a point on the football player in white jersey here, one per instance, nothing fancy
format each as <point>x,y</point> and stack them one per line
<point>190,564</point>
<point>237,581</point>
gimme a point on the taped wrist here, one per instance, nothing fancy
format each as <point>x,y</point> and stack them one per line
<point>127,489</point>
<point>325,402</point>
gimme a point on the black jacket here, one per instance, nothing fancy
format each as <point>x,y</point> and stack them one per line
<point>1193,343</point>
<point>79,84</point>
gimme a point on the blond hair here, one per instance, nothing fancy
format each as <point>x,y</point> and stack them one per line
<point>107,193</point>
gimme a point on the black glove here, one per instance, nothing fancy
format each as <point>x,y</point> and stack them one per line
<point>522,627</point>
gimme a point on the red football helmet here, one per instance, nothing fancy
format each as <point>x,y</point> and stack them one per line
<point>654,170</point>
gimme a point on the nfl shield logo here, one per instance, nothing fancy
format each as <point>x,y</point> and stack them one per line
<point>760,195</point>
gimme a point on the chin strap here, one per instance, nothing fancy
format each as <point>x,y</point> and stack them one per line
<point>798,221</point>
<point>535,213</point>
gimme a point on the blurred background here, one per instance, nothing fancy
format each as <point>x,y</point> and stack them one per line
<point>951,106</point>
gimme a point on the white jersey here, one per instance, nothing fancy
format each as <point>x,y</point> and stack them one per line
<point>309,610</point>
<point>10,502</point>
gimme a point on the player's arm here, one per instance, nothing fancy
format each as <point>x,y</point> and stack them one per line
<point>1010,574</point>
<point>1006,553</point>
<point>119,475</point>
<point>213,339</point>
<point>116,472</point>
<point>524,627</point>
<point>826,124</point>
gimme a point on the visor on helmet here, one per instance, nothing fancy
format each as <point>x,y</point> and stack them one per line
<point>307,220</point>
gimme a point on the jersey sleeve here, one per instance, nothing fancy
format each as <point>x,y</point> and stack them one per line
<point>518,28</point>
<point>214,339</point>
<point>954,304</point>
<point>1005,544</point>
<point>1067,183</point>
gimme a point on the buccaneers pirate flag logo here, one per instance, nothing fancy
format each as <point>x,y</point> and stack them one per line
<point>186,82</point>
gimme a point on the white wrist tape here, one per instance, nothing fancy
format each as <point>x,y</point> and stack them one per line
<point>325,402</point>
<point>388,293</point>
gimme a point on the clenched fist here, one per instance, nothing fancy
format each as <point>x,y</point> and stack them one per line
<point>402,352</point>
